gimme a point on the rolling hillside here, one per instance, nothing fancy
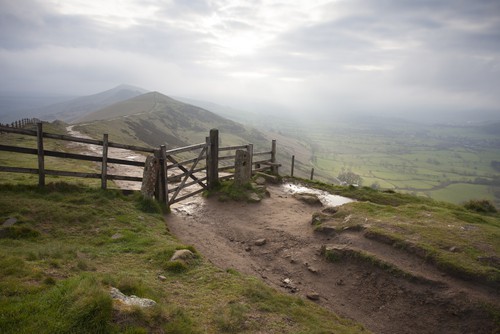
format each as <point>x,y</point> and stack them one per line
<point>153,119</point>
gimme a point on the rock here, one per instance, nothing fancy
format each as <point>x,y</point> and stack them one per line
<point>248,249</point>
<point>454,249</point>
<point>131,300</point>
<point>117,236</point>
<point>311,199</point>
<point>313,295</point>
<point>260,242</point>
<point>254,198</point>
<point>260,181</point>
<point>182,255</point>
<point>311,268</point>
<point>161,278</point>
<point>330,210</point>
<point>325,229</point>
<point>9,222</point>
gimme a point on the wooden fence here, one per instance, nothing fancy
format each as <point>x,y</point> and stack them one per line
<point>206,161</point>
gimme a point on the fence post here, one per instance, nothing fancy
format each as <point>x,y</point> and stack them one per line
<point>163,191</point>
<point>293,165</point>
<point>250,157</point>
<point>213,162</point>
<point>41,162</point>
<point>104,166</point>
<point>274,168</point>
<point>312,173</point>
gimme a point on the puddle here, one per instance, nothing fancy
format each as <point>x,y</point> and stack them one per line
<point>325,197</point>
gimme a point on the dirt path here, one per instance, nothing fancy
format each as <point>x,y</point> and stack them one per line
<point>290,260</point>
<point>113,152</point>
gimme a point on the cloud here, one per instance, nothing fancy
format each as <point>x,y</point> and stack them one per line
<point>360,55</point>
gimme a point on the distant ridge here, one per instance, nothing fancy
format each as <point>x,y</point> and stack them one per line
<point>73,109</point>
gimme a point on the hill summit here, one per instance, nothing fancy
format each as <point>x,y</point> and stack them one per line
<point>154,119</point>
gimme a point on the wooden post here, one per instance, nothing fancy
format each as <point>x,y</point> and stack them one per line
<point>250,157</point>
<point>213,163</point>
<point>104,166</point>
<point>274,168</point>
<point>293,165</point>
<point>312,173</point>
<point>163,191</point>
<point>41,161</point>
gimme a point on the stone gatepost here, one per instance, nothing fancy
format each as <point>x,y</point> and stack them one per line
<point>150,176</point>
<point>243,168</point>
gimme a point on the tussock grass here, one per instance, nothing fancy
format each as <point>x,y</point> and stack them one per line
<point>88,240</point>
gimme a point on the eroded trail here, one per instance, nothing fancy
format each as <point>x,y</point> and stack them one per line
<point>290,260</point>
<point>117,153</point>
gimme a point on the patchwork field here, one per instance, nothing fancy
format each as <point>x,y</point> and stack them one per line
<point>449,163</point>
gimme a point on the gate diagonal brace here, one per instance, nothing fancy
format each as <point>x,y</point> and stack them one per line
<point>189,174</point>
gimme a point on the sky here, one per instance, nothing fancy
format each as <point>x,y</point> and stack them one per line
<point>303,56</point>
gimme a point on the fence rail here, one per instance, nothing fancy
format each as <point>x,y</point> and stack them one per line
<point>201,171</point>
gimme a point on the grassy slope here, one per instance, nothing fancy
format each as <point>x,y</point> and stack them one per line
<point>154,119</point>
<point>71,244</point>
<point>457,240</point>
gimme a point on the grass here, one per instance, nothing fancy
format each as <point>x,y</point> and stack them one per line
<point>11,159</point>
<point>458,239</point>
<point>71,244</point>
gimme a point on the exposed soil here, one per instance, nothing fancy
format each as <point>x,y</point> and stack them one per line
<point>290,260</point>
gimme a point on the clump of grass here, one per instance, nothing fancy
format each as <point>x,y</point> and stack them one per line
<point>232,318</point>
<point>18,232</point>
<point>148,205</point>
<point>482,206</point>
<point>175,266</point>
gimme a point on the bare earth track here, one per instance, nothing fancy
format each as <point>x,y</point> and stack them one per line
<point>290,260</point>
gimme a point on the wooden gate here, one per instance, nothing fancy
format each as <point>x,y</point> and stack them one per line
<point>190,173</point>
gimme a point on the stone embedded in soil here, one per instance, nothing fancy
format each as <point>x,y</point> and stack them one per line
<point>313,295</point>
<point>254,198</point>
<point>131,300</point>
<point>183,255</point>
<point>260,181</point>
<point>260,242</point>
<point>9,222</point>
<point>330,210</point>
<point>311,199</point>
<point>312,269</point>
<point>117,236</point>
<point>325,229</point>
<point>161,278</point>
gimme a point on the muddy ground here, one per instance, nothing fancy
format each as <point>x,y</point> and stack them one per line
<point>290,260</point>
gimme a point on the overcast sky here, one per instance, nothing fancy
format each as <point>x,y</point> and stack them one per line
<point>305,55</point>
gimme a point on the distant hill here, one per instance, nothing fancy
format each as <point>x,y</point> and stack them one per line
<point>73,109</point>
<point>154,119</point>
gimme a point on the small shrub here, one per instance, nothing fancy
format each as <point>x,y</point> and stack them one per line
<point>482,206</point>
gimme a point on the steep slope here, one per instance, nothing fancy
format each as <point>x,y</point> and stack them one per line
<point>154,119</point>
<point>73,109</point>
